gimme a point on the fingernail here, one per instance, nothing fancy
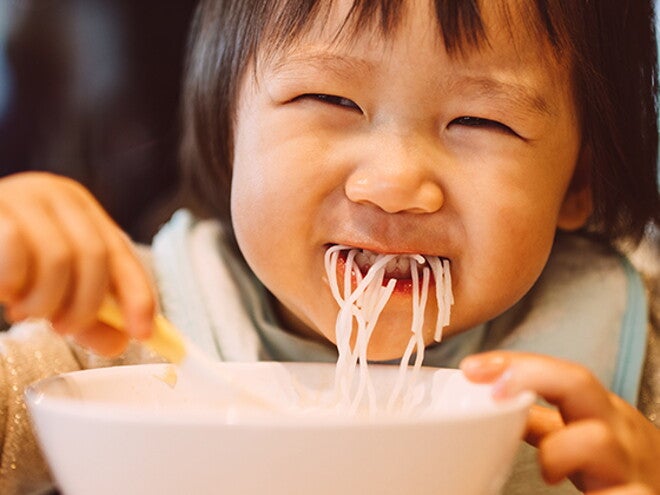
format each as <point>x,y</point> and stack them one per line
<point>484,364</point>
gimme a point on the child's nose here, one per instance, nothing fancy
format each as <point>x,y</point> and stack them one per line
<point>399,177</point>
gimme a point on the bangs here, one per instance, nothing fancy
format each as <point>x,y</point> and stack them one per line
<point>460,22</point>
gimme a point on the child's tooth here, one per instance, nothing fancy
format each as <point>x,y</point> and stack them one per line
<point>365,256</point>
<point>398,267</point>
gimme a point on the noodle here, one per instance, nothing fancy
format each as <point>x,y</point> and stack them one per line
<point>359,310</point>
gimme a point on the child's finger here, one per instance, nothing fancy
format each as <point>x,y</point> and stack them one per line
<point>103,340</point>
<point>52,258</point>
<point>90,267</point>
<point>571,450</point>
<point>128,280</point>
<point>14,258</point>
<point>487,366</point>
<point>541,422</point>
<point>133,292</point>
<point>130,285</point>
<point>571,387</point>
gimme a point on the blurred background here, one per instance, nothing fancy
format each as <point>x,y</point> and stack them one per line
<point>90,89</point>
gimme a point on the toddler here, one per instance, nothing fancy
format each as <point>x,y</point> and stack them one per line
<point>515,140</point>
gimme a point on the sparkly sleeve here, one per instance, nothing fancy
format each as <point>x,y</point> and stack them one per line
<point>649,397</point>
<point>28,352</point>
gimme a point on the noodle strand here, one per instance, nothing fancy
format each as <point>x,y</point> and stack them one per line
<point>359,310</point>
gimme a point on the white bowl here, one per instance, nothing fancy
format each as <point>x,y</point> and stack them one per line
<point>129,430</point>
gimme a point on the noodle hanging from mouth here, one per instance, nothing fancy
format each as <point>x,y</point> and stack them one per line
<point>362,307</point>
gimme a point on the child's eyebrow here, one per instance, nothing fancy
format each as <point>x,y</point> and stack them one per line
<point>342,65</point>
<point>521,95</point>
<point>345,65</point>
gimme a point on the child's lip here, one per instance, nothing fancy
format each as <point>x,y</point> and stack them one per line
<point>381,249</point>
<point>399,250</point>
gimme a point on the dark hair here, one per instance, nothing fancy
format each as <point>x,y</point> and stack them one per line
<point>611,44</point>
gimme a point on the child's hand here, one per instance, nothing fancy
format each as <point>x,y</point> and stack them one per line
<point>61,254</point>
<point>604,445</point>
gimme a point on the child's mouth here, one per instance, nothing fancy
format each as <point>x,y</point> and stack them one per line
<point>399,267</point>
<point>368,280</point>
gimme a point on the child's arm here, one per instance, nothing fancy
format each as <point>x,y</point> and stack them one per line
<point>604,445</point>
<point>28,352</point>
<point>61,254</point>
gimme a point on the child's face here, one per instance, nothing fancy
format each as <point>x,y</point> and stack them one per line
<point>414,152</point>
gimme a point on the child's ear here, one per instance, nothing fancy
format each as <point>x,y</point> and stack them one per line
<point>578,202</point>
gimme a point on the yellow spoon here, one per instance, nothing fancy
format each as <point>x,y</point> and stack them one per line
<point>167,341</point>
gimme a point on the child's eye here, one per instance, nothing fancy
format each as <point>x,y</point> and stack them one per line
<point>339,101</point>
<point>483,123</point>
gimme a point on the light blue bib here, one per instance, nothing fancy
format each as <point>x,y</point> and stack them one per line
<point>588,306</point>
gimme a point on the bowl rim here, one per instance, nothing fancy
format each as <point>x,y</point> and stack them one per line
<point>38,401</point>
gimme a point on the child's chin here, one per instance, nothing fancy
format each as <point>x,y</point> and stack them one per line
<point>387,350</point>
<point>381,355</point>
